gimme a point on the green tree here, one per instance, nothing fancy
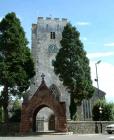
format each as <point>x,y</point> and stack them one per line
<point>107,113</point>
<point>16,64</point>
<point>1,114</point>
<point>16,116</point>
<point>73,108</point>
<point>72,66</point>
<point>16,104</point>
<point>16,112</point>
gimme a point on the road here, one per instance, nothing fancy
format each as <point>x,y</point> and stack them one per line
<point>63,137</point>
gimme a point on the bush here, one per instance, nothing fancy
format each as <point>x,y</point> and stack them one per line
<point>16,117</point>
<point>107,111</point>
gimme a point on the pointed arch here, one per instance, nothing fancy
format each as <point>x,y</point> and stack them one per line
<point>43,97</point>
<point>55,91</point>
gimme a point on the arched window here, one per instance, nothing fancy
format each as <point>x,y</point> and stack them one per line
<point>52,35</point>
<point>55,92</point>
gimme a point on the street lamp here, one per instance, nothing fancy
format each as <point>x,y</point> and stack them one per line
<point>96,79</point>
<point>100,111</point>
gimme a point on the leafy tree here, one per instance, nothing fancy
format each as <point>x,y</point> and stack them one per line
<point>16,64</point>
<point>107,113</point>
<point>1,115</point>
<point>16,112</point>
<point>72,108</point>
<point>16,116</point>
<point>72,66</point>
<point>16,105</point>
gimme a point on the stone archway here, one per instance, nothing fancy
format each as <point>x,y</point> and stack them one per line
<point>42,98</point>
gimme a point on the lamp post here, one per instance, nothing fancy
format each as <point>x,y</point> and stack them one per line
<point>100,112</point>
<point>96,79</point>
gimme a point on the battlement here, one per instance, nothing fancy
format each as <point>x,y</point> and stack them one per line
<point>34,25</point>
<point>53,19</point>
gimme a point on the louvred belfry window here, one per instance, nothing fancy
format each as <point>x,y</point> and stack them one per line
<point>52,35</point>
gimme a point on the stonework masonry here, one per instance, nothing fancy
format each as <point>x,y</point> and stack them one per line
<point>88,127</point>
<point>42,97</point>
<point>46,36</point>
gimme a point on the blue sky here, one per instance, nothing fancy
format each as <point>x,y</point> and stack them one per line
<point>94,20</point>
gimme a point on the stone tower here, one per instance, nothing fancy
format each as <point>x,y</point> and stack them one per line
<point>46,36</point>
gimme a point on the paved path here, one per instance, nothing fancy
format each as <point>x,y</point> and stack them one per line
<point>63,137</point>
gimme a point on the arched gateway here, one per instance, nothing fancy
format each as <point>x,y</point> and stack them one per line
<point>43,97</point>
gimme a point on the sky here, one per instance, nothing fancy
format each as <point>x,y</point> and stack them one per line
<point>94,19</point>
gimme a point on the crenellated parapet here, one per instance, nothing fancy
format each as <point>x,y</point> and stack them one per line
<point>53,19</point>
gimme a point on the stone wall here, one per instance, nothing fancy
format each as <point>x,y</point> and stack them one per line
<point>83,127</point>
<point>77,127</point>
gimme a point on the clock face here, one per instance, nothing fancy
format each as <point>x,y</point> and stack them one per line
<point>52,48</point>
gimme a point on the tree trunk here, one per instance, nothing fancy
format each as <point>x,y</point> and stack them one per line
<point>72,106</point>
<point>5,103</point>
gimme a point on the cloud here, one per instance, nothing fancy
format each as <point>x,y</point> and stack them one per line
<point>100,54</point>
<point>106,78</point>
<point>109,44</point>
<point>82,23</point>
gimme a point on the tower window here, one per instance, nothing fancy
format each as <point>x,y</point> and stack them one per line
<point>52,35</point>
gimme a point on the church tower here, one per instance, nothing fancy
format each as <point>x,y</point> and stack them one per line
<point>46,36</point>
